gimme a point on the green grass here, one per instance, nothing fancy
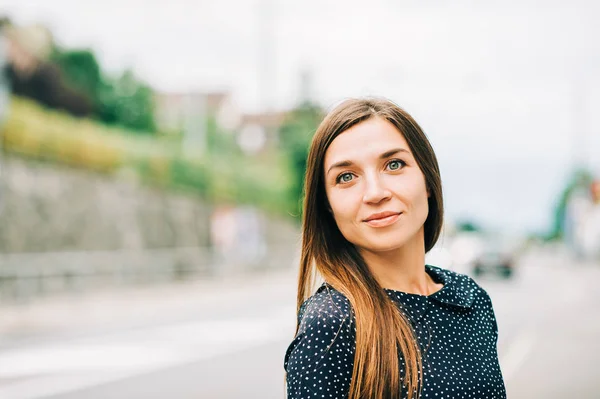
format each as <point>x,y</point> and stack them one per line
<point>37,133</point>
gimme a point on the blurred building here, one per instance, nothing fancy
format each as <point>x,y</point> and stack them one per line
<point>188,115</point>
<point>262,128</point>
<point>174,110</point>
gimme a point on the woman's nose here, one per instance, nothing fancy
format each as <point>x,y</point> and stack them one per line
<point>375,190</point>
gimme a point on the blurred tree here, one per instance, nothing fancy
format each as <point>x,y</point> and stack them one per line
<point>46,86</point>
<point>295,136</point>
<point>81,70</point>
<point>128,102</point>
<point>580,178</point>
<point>124,101</point>
<point>467,226</point>
<point>73,80</point>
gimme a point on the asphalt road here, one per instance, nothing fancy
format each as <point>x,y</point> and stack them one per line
<point>228,341</point>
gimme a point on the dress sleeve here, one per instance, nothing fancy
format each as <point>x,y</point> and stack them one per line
<point>483,302</point>
<point>490,319</point>
<point>319,361</point>
<point>491,315</point>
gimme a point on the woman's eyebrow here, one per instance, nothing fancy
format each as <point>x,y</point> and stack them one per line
<point>387,154</point>
<point>341,164</point>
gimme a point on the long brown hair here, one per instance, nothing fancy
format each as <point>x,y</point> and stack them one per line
<point>381,329</point>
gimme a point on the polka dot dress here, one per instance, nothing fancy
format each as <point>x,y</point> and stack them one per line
<point>456,329</point>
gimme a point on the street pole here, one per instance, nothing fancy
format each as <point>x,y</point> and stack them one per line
<point>195,124</point>
<point>579,133</point>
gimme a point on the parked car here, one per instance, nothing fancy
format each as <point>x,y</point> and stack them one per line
<point>498,256</point>
<point>493,261</point>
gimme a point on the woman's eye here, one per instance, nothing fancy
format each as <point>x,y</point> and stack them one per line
<point>395,165</point>
<point>345,178</point>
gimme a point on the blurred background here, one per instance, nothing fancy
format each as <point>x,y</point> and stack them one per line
<point>151,163</point>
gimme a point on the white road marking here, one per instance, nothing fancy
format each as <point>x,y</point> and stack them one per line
<point>65,367</point>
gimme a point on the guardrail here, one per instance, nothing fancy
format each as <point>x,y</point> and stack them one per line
<point>31,275</point>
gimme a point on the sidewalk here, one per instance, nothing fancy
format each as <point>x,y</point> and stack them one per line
<point>99,309</point>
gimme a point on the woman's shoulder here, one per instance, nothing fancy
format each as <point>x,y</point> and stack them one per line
<point>326,305</point>
<point>324,345</point>
<point>326,301</point>
<point>325,324</point>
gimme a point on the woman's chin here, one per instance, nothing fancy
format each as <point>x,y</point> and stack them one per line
<point>382,245</point>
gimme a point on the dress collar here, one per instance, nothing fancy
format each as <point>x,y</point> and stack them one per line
<point>458,289</point>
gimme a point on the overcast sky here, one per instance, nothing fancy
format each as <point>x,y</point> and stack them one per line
<point>508,81</point>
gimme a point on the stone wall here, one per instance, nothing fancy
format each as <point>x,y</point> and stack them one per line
<point>48,208</point>
<point>65,230</point>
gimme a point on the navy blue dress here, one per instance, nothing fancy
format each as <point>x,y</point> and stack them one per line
<point>456,329</point>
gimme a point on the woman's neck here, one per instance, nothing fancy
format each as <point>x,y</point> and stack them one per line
<point>402,269</point>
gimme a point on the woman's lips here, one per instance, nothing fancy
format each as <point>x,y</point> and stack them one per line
<point>383,222</point>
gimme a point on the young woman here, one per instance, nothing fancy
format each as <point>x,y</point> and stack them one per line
<point>383,324</point>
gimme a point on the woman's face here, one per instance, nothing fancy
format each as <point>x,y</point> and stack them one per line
<point>376,190</point>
